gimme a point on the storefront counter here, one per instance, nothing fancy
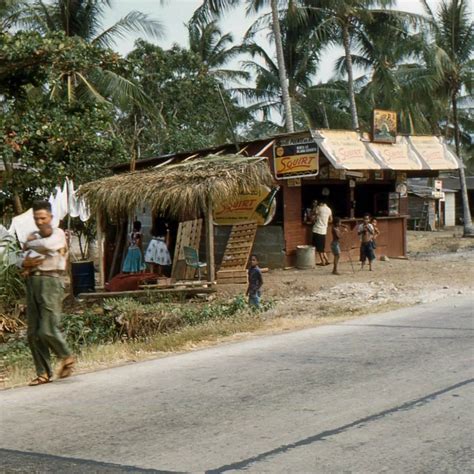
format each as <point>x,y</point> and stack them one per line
<point>391,241</point>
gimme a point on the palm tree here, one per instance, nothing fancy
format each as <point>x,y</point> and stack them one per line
<point>396,77</point>
<point>301,57</point>
<point>9,9</point>
<point>216,7</point>
<point>214,49</point>
<point>83,19</point>
<point>346,17</point>
<point>453,44</point>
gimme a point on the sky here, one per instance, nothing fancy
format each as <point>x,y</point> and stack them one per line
<point>175,13</point>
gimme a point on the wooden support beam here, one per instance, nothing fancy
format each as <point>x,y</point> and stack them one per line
<point>100,249</point>
<point>210,257</point>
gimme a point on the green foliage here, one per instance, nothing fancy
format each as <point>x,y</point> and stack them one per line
<point>184,110</point>
<point>15,352</point>
<point>89,328</point>
<point>12,286</point>
<point>44,141</point>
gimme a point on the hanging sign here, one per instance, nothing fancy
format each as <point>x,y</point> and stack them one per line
<point>259,207</point>
<point>384,126</point>
<point>296,158</point>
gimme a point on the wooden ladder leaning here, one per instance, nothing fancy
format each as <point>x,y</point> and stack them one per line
<point>237,252</point>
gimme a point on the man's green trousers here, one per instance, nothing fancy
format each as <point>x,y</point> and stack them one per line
<point>44,303</point>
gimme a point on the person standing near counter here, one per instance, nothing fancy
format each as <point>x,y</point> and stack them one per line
<point>322,216</point>
<point>367,233</point>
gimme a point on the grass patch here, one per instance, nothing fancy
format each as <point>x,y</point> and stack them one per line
<point>125,330</point>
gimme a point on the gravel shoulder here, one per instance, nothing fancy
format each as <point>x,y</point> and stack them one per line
<point>440,264</point>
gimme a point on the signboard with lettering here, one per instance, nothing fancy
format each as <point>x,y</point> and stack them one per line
<point>296,158</point>
<point>384,126</point>
<point>259,207</point>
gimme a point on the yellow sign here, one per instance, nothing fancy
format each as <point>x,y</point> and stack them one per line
<point>259,207</point>
<point>296,160</point>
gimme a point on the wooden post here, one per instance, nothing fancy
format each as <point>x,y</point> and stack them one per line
<point>211,270</point>
<point>100,249</point>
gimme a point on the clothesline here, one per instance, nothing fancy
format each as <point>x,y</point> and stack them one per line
<point>63,202</point>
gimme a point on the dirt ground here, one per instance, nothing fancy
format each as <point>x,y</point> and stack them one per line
<point>439,264</point>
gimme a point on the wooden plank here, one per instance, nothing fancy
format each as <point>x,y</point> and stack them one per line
<point>189,234</point>
<point>141,293</point>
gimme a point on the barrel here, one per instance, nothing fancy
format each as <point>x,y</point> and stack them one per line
<point>305,257</point>
<point>83,277</point>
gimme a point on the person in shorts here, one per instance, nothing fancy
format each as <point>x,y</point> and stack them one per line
<point>322,217</point>
<point>366,232</point>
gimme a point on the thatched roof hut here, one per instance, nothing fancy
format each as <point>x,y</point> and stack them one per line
<point>183,189</point>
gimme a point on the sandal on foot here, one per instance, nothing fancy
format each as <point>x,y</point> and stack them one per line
<point>66,367</point>
<point>40,380</point>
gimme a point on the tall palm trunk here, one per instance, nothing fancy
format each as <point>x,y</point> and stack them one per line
<point>350,76</point>
<point>468,229</point>
<point>282,69</point>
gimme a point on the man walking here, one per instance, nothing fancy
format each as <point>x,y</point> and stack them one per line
<point>44,291</point>
<point>322,217</point>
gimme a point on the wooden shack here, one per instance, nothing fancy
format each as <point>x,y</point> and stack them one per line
<point>352,174</point>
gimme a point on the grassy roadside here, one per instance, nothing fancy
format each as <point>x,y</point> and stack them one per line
<point>100,340</point>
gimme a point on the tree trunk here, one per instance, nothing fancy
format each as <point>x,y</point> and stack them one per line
<point>350,76</point>
<point>282,69</point>
<point>17,205</point>
<point>467,220</point>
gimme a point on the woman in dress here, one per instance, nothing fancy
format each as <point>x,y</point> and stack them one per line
<point>157,254</point>
<point>133,262</point>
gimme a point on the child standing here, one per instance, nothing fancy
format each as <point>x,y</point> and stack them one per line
<point>134,260</point>
<point>337,230</point>
<point>366,232</point>
<point>255,283</point>
<point>45,231</point>
<point>157,254</point>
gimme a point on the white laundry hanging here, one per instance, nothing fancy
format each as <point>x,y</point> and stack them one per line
<point>73,203</point>
<point>84,211</point>
<point>23,225</point>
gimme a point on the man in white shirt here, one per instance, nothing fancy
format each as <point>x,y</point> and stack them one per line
<point>322,217</point>
<point>44,291</point>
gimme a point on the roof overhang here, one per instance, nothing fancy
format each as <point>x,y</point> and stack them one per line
<point>348,150</point>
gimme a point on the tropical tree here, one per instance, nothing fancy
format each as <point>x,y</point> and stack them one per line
<point>83,19</point>
<point>214,49</point>
<point>391,55</point>
<point>40,142</point>
<point>216,7</point>
<point>301,57</point>
<point>9,9</point>
<point>345,18</point>
<point>452,46</point>
<point>186,110</point>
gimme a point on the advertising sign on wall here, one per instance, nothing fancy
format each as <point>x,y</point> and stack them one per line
<point>295,158</point>
<point>384,126</point>
<point>259,207</point>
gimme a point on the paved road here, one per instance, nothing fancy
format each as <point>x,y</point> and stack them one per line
<point>386,393</point>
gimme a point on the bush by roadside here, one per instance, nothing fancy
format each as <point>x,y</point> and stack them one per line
<point>125,326</point>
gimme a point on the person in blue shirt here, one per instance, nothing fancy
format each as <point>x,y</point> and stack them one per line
<point>255,283</point>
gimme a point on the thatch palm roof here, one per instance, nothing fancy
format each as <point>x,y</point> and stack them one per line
<point>183,189</point>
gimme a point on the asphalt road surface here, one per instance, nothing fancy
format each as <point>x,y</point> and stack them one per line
<point>386,393</point>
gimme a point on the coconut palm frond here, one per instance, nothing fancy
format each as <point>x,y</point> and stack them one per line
<point>133,22</point>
